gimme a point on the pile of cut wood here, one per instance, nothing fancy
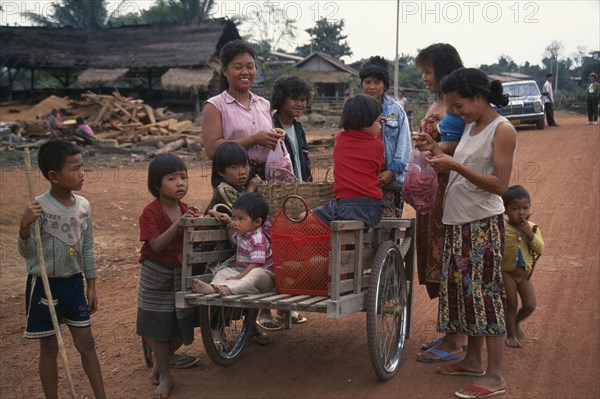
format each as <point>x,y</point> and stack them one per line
<point>126,123</point>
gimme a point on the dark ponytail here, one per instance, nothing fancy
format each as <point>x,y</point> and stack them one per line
<point>497,95</point>
<point>468,82</point>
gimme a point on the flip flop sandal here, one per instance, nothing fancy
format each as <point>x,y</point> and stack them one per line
<point>441,356</point>
<point>297,318</point>
<point>431,344</point>
<point>473,391</point>
<point>184,362</point>
<point>261,339</point>
<point>270,325</point>
<point>455,369</point>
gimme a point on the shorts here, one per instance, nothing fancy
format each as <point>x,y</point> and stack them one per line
<point>367,210</point>
<point>69,303</point>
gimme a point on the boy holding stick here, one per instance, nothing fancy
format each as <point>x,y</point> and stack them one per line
<point>68,250</point>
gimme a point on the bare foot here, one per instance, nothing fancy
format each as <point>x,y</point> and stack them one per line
<point>512,342</point>
<point>518,332</point>
<point>223,290</point>
<point>202,287</point>
<point>155,376</point>
<point>163,389</point>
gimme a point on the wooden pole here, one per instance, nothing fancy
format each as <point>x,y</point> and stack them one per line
<point>40,255</point>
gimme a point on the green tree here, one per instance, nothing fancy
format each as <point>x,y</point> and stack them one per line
<point>590,63</point>
<point>73,13</point>
<point>177,11</point>
<point>326,37</point>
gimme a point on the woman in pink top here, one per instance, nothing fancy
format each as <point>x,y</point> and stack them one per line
<point>237,114</point>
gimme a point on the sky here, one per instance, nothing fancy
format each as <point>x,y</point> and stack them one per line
<point>481,31</point>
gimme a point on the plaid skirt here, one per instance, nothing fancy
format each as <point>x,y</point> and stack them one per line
<point>472,295</point>
<point>157,316</point>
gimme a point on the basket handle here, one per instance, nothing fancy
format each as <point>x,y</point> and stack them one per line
<point>221,205</point>
<point>291,219</point>
<point>327,172</point>
<point>217,206</point>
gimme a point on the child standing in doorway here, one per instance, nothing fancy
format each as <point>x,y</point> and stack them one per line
<point>523,243</point>
<point>157,319</point>
<point>68,247</point>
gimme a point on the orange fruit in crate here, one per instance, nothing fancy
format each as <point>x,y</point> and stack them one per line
<point>316,274</point>
<point>288,282</point>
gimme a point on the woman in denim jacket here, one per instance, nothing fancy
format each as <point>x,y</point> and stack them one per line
<point>375,80</point>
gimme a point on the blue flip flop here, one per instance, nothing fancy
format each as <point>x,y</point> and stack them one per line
<point>435,342</point>
<point>441,356</point>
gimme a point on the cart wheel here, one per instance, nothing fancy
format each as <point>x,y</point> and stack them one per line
<point>386,310</point>
<point>225,331</point>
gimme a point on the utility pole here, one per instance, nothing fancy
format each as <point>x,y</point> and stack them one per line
<point>396,61</point>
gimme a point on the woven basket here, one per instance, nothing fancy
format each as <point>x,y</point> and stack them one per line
<point>314,193</point>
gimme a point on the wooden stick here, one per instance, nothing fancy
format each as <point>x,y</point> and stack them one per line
<point>40,254</point>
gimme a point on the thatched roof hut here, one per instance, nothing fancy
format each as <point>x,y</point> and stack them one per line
<point>146,51</point>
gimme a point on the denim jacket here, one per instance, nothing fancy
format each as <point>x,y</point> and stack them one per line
<point>396,137</point>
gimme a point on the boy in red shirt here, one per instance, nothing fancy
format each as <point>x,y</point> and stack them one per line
<point>358,160</point>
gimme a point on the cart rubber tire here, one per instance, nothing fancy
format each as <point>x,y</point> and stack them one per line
<point>387,310</point>
<point>225,343</point>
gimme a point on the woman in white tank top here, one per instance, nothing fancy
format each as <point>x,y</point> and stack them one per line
<point>471,291</point>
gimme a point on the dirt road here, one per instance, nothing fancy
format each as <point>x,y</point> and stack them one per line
<point>325,358</point>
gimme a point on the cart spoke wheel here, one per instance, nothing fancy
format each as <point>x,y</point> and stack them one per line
<point>225,331</point>
<point>386,310</point>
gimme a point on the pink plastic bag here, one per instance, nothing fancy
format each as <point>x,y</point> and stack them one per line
<point>420,184</point>
<point>279,165</point>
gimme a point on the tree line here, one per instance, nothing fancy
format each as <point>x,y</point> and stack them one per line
<point>279,33</point>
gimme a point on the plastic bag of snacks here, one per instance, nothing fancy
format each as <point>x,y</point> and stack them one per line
<point>420,184</point>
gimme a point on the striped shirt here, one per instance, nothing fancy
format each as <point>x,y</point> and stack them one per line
<point>254,247</point>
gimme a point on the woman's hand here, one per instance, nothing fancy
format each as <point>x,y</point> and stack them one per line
<point>424,142</point>
<point>385,177</point>
<point>443,163</point>
<point>268,138</point>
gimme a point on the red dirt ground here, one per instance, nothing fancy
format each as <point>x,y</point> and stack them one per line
<point>327,358</point>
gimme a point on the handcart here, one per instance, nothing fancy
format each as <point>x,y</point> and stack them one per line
<point>370,269</point>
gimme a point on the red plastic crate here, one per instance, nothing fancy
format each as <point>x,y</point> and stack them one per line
<point>301,255</point>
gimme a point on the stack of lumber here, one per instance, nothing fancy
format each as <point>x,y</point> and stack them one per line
<point>131,122</point>
<point>126,123</point>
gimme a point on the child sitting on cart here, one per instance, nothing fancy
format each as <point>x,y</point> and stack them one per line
<point>358,160</point>
<point>249,231</point>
